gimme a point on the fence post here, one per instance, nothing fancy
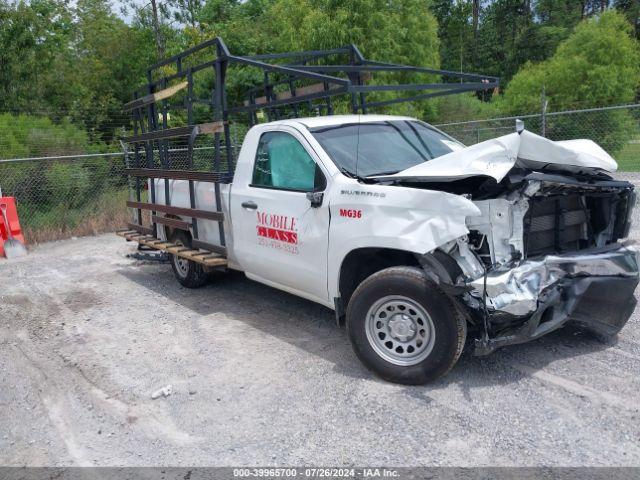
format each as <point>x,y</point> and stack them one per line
<point>544,103</point>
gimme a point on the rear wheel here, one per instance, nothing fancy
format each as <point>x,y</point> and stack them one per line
<point>403,327</point>
<point>189,274</point>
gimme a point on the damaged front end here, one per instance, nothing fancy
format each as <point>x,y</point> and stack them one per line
<point>545,252</point>
<point>546,248</point>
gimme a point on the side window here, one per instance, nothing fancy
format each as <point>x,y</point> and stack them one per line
<point>282,162</point>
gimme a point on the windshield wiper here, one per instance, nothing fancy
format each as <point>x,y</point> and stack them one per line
<point>391,172</point>
<point>350,174</point>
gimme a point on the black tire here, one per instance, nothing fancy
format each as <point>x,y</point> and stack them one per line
<point>189,274</point>
<point>448,326</point>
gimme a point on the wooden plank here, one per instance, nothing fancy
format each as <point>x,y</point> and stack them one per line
<point>190,254</point>
<point>299,92</point>
<point>203,257</point>
<point>210,128</point>
<point>215,262</point>
<point>186,212</point>
<point>163,245</point>
<point>171,222</point>
<point>176,249</point>
<point>202,254</point>
<point>148,241</point>
<point>155,97</point>
<point>208,255</point>
<point>169,92</point>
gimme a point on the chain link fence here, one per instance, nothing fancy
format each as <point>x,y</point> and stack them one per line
<point>60,197</point>
<point>75,195</point>
<point>67,192</point>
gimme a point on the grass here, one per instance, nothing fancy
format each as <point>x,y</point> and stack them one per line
<point>629,157</point>
<point>105,213</point>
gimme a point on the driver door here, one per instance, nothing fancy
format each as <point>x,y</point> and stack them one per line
<point>279,237</point>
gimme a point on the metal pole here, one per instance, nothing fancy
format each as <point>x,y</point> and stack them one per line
<point>544,102</point>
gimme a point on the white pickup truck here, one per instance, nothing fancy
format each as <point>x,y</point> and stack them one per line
<point>420,242</point>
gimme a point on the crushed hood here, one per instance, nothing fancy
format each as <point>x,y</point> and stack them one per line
<point>495,157</point>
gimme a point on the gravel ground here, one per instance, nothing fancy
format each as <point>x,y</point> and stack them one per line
<point>260,377</point>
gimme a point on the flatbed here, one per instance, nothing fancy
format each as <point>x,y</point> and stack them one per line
<point>203,257</point>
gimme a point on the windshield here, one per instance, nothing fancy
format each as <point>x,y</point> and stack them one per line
<point>377,148</point>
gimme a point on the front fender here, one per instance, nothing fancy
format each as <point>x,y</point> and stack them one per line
<point>386,216</point>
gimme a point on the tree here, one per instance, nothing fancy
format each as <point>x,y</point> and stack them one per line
<point>156,29</point>
<point>110,61</point>
<point>598,65</point>
<point>458,52</point>
<point>35,62</point>
<point>402,31</point>
<point>631,9</point>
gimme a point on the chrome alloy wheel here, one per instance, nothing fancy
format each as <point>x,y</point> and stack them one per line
<point>400,330</point>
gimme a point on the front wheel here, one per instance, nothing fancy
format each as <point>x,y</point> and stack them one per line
<point>403,327</point>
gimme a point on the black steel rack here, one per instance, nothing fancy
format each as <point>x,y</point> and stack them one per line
<point>292,83</point>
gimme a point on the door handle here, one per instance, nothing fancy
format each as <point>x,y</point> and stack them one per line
<point>250,205</point>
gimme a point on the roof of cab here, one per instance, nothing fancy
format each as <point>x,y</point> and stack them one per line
<point>330,120</point>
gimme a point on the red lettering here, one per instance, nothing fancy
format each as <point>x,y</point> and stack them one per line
<point>275,234</point>
<point>350,213</point>
<point>280,222</point>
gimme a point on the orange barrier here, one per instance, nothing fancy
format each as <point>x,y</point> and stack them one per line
<point>14,223</point>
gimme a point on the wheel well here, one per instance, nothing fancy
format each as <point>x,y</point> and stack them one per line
<point>364,262</point>
<point>168,231</point>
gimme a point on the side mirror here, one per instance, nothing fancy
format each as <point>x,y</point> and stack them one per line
<point>315,198</point>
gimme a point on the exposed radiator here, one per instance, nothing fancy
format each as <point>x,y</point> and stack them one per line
<point>574,221</point>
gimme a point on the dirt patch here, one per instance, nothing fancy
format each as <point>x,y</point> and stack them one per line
<point>81,299</point>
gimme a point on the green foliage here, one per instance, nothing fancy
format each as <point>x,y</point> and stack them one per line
<point>52,184</point>
<point>31,136</point>
<point>80,62</point>
<point>461,108</point>
<point>33,56</point>
<point>505,34</point>
<point>110,61</point>
<point>402,31</point>
<point>598,65</point>
<point>631,9</point>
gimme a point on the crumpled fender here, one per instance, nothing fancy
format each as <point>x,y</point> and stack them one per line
<point>385,216</point>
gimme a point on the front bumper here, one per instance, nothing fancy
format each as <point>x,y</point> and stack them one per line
<point>594,289</point>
